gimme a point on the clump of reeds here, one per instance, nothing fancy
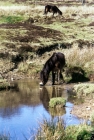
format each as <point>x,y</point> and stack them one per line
<point>50,130</point>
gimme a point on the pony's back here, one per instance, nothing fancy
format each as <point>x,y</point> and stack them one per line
<point>61,58</point>
<point>56,58</point>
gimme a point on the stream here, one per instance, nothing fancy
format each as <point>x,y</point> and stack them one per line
<point>24,108</point>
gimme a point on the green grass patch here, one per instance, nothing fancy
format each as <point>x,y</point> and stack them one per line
<point>84,88</point>
<point>11,19</point>
<point>80,132</point>
<point>56,101</point>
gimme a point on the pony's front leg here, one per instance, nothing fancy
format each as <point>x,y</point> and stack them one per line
<point>53,77</point>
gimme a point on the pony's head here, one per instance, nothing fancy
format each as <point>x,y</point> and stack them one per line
<point>43,77</point>
<point>60,13</point>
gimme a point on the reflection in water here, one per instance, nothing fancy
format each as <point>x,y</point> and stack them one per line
<point>22,109</point>
<point>44,97</point>
<point>25,93</point>
<point>58,91</point>
<point>50,92</point>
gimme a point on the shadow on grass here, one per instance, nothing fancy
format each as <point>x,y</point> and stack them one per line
<point>77,75</point>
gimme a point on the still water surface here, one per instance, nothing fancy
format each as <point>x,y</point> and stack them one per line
<point>24,108</point>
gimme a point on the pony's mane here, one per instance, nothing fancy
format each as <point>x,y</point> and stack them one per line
<point>49,63</point>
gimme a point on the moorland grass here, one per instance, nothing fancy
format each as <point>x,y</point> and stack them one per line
<point>71,32</point>
<point>28,11</point>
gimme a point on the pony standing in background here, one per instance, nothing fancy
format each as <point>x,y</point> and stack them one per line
<point>54,64</point>
<point>52,9</point>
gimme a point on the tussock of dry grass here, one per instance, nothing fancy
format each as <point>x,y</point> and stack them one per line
<point>51,131</point>
<point>80,57</point>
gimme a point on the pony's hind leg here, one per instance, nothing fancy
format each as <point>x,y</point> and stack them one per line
<point>53,78</point>
<point>58,76</point>
<point>61,76</point>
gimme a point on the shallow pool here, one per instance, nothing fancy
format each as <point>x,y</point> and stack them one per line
<point>24,108</point>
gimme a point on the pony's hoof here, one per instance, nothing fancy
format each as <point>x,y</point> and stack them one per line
<point>41,84</point>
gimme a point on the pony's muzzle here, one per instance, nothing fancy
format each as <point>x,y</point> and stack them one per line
<point>41,84</point>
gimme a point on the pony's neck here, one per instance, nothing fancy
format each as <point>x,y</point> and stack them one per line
<point>47,69</point>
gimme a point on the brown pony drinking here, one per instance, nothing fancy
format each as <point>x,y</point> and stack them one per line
<point>52,9</point>
<point>54,64</point>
